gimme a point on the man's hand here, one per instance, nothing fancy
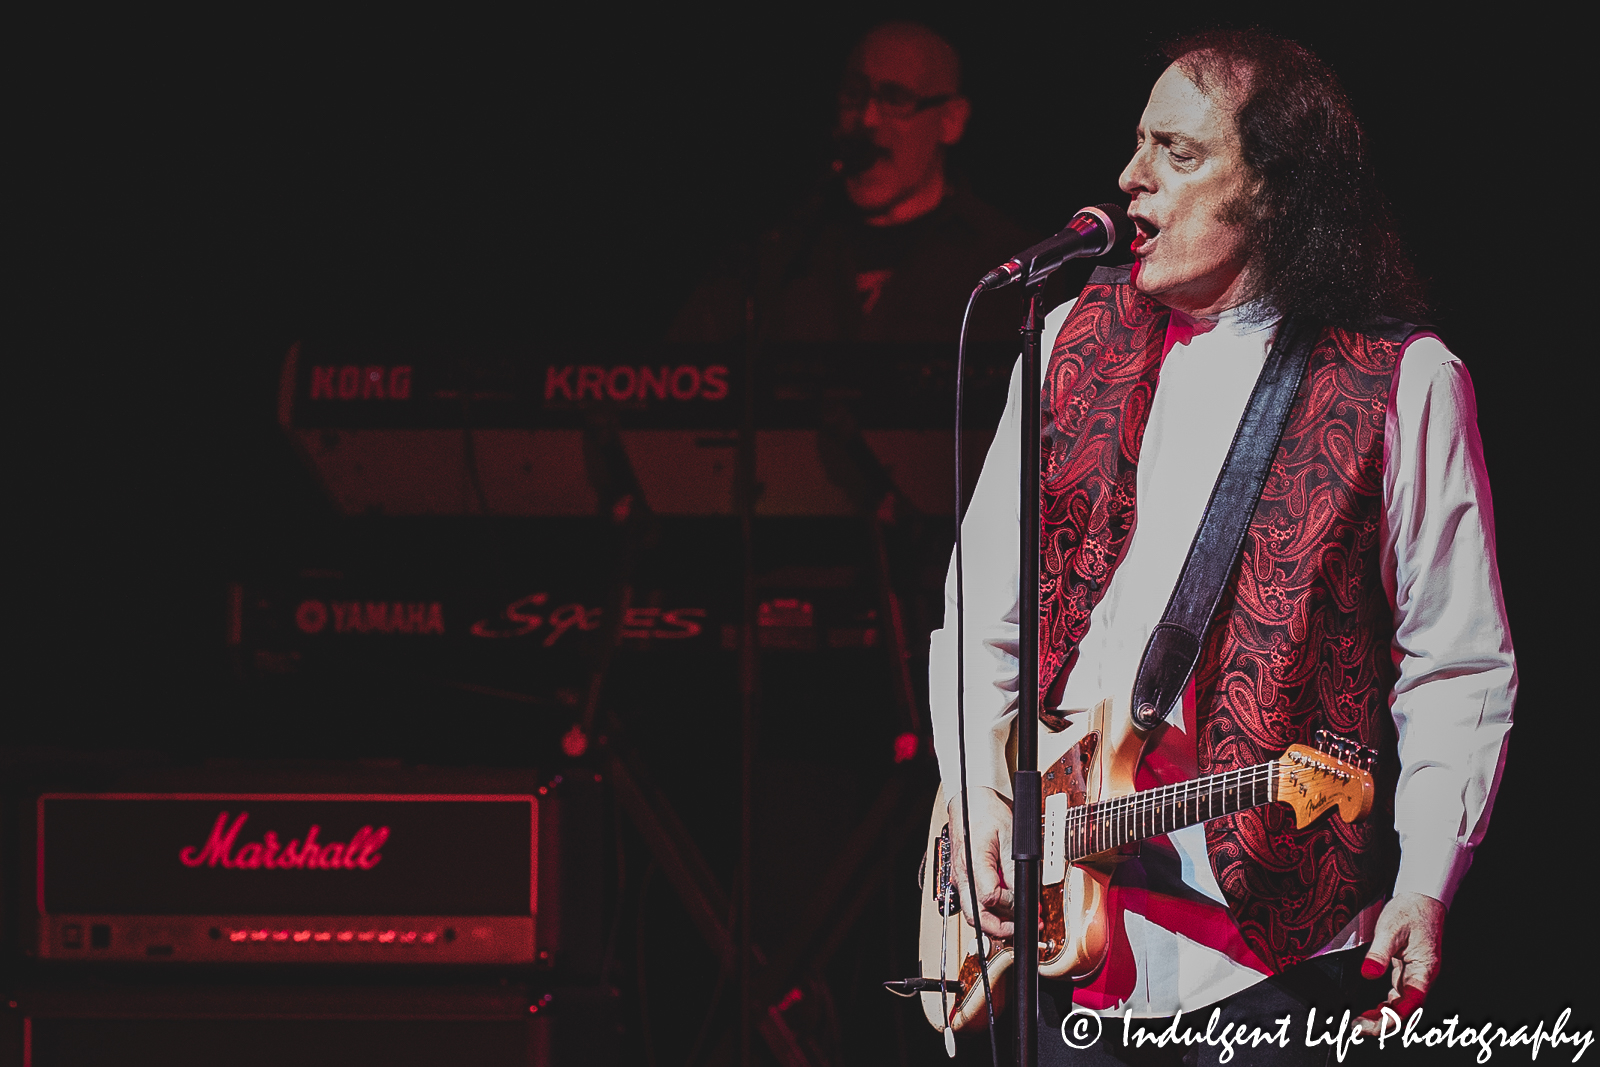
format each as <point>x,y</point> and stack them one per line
<point>1407,943</point>
<point>991,856</point>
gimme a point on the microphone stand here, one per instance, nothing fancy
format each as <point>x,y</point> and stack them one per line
<point>1092,232</point>
<point>1027,830</point>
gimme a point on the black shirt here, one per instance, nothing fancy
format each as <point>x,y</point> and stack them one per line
<point>838,279</point>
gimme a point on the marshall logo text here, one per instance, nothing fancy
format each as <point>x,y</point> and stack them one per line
<point>359,853</point>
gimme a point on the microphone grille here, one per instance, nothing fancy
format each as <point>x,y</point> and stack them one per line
<point>1118,218</point>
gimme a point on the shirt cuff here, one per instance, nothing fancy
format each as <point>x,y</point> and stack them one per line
<point>1432,867</point>
<point>990,768</point>
<point>997,775</point>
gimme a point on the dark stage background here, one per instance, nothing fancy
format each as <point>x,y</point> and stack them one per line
<point>196,196</point>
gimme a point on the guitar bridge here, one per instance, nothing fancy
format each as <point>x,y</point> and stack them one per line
<point>944,889</point>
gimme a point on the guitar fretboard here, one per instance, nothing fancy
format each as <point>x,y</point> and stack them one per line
<point>1099,827</point>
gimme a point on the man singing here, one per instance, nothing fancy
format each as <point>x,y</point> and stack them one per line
<point>1366,599</point>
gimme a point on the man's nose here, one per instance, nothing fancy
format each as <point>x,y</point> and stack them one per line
<point>1135,176</point>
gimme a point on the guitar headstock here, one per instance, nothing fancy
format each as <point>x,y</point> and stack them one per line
<point>1337,773</point>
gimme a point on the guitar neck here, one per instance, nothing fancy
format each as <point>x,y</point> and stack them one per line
<point>1107,824</point>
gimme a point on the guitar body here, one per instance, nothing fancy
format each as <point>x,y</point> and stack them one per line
<point>1075,931</point>
<point>1098,764</point>
<point>1092,819</point>
<point>947,946</point>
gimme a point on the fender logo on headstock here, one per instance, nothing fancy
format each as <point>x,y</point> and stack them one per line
<point>1311,781</point>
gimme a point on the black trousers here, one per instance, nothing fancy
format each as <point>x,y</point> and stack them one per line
<point>1331,984</point>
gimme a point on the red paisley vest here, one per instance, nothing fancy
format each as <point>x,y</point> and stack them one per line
<point>1301,638</point>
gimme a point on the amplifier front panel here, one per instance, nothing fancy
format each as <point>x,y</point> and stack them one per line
<point>301,939</point>
<point>287,878</point>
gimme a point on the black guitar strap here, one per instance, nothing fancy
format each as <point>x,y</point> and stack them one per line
<point>1174,646</point>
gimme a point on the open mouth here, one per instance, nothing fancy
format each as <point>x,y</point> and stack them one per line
<point>1146,232</point>
<point>856,155</point>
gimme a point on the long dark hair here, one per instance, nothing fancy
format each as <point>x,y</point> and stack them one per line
<point>1321,236</point>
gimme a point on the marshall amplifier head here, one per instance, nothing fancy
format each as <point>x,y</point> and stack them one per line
<point>292,878</point>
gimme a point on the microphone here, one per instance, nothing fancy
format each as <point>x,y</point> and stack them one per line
<point>1094,231</point>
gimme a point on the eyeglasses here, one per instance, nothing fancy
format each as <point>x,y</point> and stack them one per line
<point>893,99</point>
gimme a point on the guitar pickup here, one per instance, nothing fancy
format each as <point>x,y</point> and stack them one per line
<point>1055,839</point>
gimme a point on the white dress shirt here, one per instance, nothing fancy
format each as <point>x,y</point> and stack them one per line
<point>1451,703</point>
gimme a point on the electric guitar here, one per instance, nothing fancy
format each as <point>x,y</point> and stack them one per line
<point>1091,811</point>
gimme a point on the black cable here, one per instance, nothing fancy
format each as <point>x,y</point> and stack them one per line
<point>961,693</point>
<point>622,887</point>
<point>705,1024</point>
<point>639,967</point>
<point>469,450</point>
